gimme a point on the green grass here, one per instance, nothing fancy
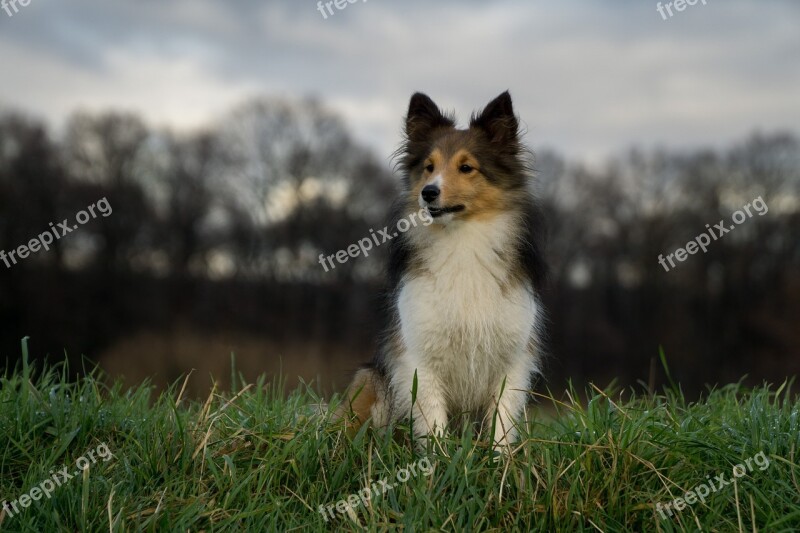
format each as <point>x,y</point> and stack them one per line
<point>251,459</point>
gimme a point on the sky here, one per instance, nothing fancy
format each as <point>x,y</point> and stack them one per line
<point>589,78</point>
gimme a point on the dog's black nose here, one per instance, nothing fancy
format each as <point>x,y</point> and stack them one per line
<point>430,193</point>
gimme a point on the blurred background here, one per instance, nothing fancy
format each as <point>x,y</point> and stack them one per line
<point>236,142</point>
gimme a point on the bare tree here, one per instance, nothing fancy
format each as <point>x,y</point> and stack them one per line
<point>105,153</point>
<point>281,158</point>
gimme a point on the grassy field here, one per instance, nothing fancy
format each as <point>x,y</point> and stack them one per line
<point>250,459</point>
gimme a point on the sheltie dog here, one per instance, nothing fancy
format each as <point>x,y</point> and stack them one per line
<point>464,340</point>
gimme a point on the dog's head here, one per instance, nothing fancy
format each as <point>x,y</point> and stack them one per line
<point>462,174</point>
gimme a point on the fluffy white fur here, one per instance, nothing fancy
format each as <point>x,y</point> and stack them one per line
<point>466,325</point>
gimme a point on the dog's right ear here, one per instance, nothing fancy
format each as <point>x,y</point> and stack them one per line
<point>498,120</point>
<point>424,117</point>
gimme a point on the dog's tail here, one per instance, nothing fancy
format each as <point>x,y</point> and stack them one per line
<point>364,399</point>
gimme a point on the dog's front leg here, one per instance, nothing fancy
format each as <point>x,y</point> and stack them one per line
<point>429,415</point>
<point>427,409</point>
<point>509,406</point>
<point>510,409</point>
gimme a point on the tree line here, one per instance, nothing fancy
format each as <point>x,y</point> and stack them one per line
<point>222,228</point>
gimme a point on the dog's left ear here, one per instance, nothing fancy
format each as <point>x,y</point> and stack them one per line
<point>498,120</point>
<point>423,117</point>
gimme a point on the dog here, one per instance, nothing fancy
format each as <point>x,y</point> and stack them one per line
<point>466,316</point>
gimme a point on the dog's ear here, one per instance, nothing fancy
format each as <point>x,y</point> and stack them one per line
<point>424,117</point>
<point>498,120</point>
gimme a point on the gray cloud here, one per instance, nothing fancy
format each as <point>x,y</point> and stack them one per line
<point>588,77</point>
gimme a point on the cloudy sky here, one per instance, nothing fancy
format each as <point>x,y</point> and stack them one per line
<point>589,77</point>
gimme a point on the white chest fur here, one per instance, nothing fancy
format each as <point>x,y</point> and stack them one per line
<point>464,318</point>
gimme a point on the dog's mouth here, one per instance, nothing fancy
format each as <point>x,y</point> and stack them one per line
<point>439,211</point>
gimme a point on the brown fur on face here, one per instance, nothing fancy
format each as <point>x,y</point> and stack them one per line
<point>462,182</point>
<point>482,168</point>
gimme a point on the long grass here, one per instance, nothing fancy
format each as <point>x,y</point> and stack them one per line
<point>253,458</point>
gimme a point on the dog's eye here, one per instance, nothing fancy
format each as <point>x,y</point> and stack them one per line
<point>429,168</point>
<point>465,169</point>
